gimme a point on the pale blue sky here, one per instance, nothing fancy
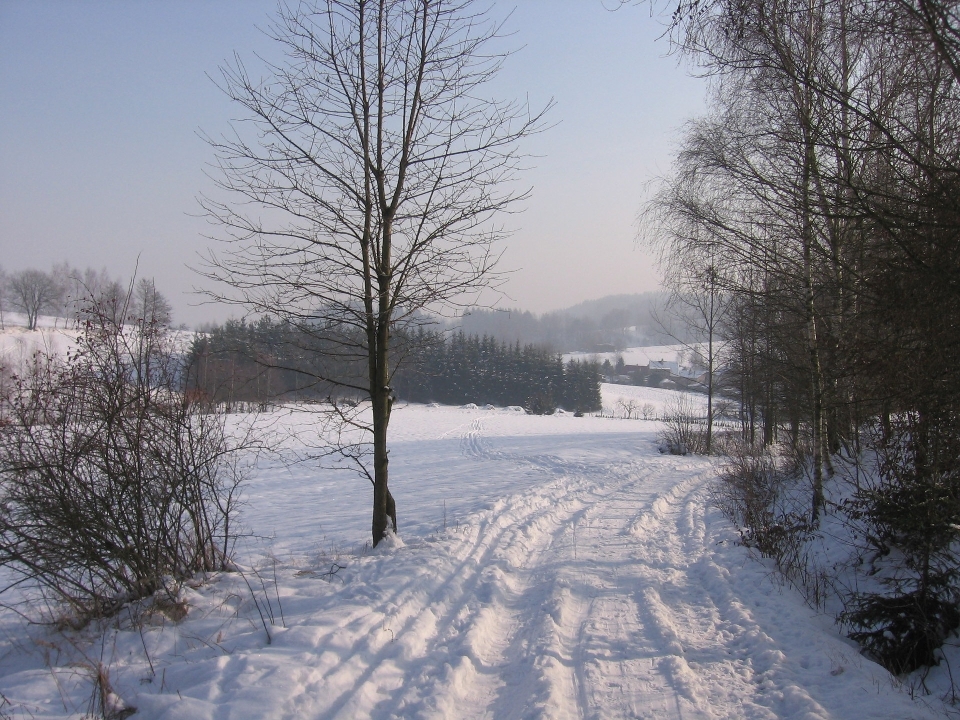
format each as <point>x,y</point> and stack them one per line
<point>101,101</point>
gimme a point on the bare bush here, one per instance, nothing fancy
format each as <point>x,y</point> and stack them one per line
<point>685,428</point>
<point>763,493</point>
<point>627,407</point>
<point>113,483</point>
<point>752,493</point>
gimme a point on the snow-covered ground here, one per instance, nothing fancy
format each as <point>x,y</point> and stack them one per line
<point>547,567</point>
<point>53,336</point>
<point>638,401</point>
<point>633,355</point>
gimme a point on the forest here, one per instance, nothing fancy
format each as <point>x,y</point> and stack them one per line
<point>266,360</point>
<point>810,224</point>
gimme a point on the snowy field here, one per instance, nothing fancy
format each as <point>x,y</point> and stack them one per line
<point>17,344</point>
<point>633,355</point>
<point>547,567</point>
<point>638,401</point>
<point>52,336</point>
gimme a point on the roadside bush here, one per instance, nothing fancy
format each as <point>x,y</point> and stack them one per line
<point>754,492</point>
<point>114,484</point>
<point>684,428</point>
<point>763,492</point>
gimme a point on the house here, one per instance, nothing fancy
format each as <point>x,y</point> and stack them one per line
<point>659,373</point>
<point>655,375</point>
<point>670,365</point>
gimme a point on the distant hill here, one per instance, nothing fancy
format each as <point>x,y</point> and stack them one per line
<point>609,323</point>
<point>639,304</point>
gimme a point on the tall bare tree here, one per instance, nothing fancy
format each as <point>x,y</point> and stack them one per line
<point>149,305</point>
<point>3,295</point>
<point>32,292</point>
<point>364,189</point>
<point>703,305</point>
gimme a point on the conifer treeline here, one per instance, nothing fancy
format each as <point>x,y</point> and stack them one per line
<point>268,361</point>
<point>241,362</point>
<point>468,369</point>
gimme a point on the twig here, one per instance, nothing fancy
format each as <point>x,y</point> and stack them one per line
<point>143,641</point>
<point>263,620</point>
<point>276,588</point>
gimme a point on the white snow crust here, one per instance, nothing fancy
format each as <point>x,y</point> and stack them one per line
<point>632,355</point>
<point>546,567</point>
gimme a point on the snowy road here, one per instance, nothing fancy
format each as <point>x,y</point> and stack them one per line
<point>591,579</point>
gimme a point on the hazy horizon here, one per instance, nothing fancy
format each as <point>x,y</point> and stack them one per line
<point>101,159</point>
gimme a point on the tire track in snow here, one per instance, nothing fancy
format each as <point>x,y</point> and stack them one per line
<point>499,631</point>
<point>596,594</point>
<point>625,663</point>
<point>472,610</point>
<point>489,640</point>
<point>678,607</point>
<point>718,657</point>
<point>471,442</point>
<point>546,670</point>
<point>639,532</point>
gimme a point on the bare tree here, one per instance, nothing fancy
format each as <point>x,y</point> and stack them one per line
<point>149,305</point>
<point>78,289</point>
<point>3,295</point>
<point>366,192</point>
<point>702,303</point>
<point>108,292</point>
<point>62,275</point>
<point>32,292</point>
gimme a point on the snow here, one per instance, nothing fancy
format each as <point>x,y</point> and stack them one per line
<point>633,355</point>
<point>546,567</point>
<point>632,401</point>
<point>17,344</point>
<point>53,336</point>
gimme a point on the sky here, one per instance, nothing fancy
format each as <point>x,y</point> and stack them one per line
<point>103,102</point>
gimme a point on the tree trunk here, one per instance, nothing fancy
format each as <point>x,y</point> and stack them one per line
<point>381,400</point>
<point>710,359</point>
<point>816,376</point>
<point>380,465</point>
<point>813,349</point>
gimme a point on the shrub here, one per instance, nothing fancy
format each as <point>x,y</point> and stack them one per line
<point>764,493</point>
<point>903,631</point>
<point>684,428</point>
<point>753,492</point>
<point>113,483</point>
<point>912,507</point>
